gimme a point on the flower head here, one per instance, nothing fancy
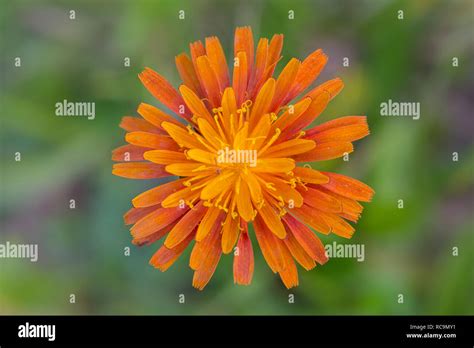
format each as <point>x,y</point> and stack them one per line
<point>236,146</point>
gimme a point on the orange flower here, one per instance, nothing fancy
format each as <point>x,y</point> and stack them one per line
<point>236,148</point>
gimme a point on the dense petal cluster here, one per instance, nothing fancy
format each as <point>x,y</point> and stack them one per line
<point>232,151</point>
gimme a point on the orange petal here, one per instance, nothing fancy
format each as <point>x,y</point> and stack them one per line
<point>272,220</point>
<point>202,156</point>
<point>307,74</point>
<point>179,197</point>
<point>190,169</point>
<point>337,123</point>
<point>207,222</point>
<point>139,170</point>
<point>274,165</point>
<point>187,73</point>
<point>151,238</point>
<point>282,190</point>
<point>338,225</point>
<point>333,87</point>
<point>127,153</point>
<point>244,203</point>
<point>284,82</point>
<point>194,103</point>
<point>230,233</point>
<point>209,80</point>
<point>326,151</point>
<point>204,273</point>
<point>165,256</point>
<point>273,57</point>
<point>164,156</point>
<point>181,136</point>
<point>155,221</point>
<point>298,252</point>
<point>243,260</point>
<point>135,214</point>
<point>269,245</point>
<point>155,116</point>
<point>217,185</point>
<point>262,102</point>
<point>133,124</point>
<point>240,77</point>
<point>218,62</point>
<point>290,148</point>
<point>162,90</point>
<point>292,114</point>
<point>309,175</point>
<point>185,226</point>
<point>307,239</point>
<point>348,187</point>
<point>289,275</point>
<point>157,194</point>
<point>243,42</point>
<point>150,140</point>
<point>349,206</point>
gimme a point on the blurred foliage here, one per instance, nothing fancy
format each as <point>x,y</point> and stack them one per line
<point>408,251</point>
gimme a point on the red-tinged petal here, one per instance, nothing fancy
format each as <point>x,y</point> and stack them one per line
<point>204,273</point>
<point>284,82</point>
<point>338,225</point>
<point>292,114</point>
<point>188,74</point>
<point>165,257</point>
<point>162,90</point>
<point>185,226</point>
<point>290,148</point>
<point>150,140</point>
<point>337,123</point>
<point>307,239</point>
<point>240,77</point>
<point>320,200</point>
<point>139,170</point>
<point>155,221</point>
<point>311,217</point>
<point>218,62</point>
<point>333,87</point>
<point>298,252</point>
<point>309,175</point>
<point>348,187</point>
<point>243,42</point>
<point>155,236</point>
<point>349,205</point>
<point>307,74</point>
<point>273,57</point>
<point>201,248</point>
<point>346,133</point>
<point>135,214</point>
<point>269,245</point>
<point>209,81</point>
<point>157,194</point>
<point>314,109</point>
<point>127,153</point>
<point>243,260</point>
<point>260,65</point>
<point>133,124</point>
<point>289,275</point>
<point>155,116</point>
<point>326,151</point>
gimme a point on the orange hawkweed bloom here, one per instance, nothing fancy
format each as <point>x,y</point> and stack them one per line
<point>236,149</point>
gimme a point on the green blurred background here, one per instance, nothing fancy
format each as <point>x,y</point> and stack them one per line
<point>81,251</point>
